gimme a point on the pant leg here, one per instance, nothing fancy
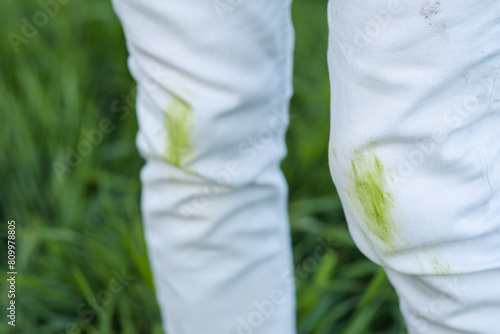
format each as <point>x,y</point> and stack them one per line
<point>449,304</point>
<point>414,149</point>
<point>214,83</point>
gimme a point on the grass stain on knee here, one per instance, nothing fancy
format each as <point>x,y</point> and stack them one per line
<point>372,197</point>
<point>179,126</point>
<point>439,267</point>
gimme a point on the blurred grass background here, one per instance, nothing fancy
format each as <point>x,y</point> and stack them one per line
<point>74,235</point>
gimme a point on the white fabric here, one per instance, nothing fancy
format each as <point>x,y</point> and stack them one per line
<point>414,154</point>
<point>215,220</point>
<point>449,304</point>
<point>417,85</point>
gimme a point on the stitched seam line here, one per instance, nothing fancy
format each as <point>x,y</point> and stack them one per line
<point>486,169</point>
<point>493,89</point>
<point>472,127</point>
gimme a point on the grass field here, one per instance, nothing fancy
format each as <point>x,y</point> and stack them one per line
<point>77,228</point>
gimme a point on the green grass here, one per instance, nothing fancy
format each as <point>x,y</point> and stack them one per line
<point>78,226</point>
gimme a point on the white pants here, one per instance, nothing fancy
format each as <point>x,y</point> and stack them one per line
<point>414,154</point>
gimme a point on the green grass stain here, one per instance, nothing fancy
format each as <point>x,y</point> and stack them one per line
<point>439,267</point>
<point>419,264</point>
<point>333,153</point>
<point>179,126</point>
<point>372,144</point>
<point>372,197</point>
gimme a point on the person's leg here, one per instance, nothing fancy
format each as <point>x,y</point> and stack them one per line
<point>414,148</point>
<point>449,304</point>
<point>214,82</point>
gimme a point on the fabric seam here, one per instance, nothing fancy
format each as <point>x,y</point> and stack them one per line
<point>481,150</point>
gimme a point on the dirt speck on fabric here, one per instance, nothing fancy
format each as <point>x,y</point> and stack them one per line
<point>432,12</point>
<point>430,9</point>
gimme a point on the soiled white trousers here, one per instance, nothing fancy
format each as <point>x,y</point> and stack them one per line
<point>414,154</point>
